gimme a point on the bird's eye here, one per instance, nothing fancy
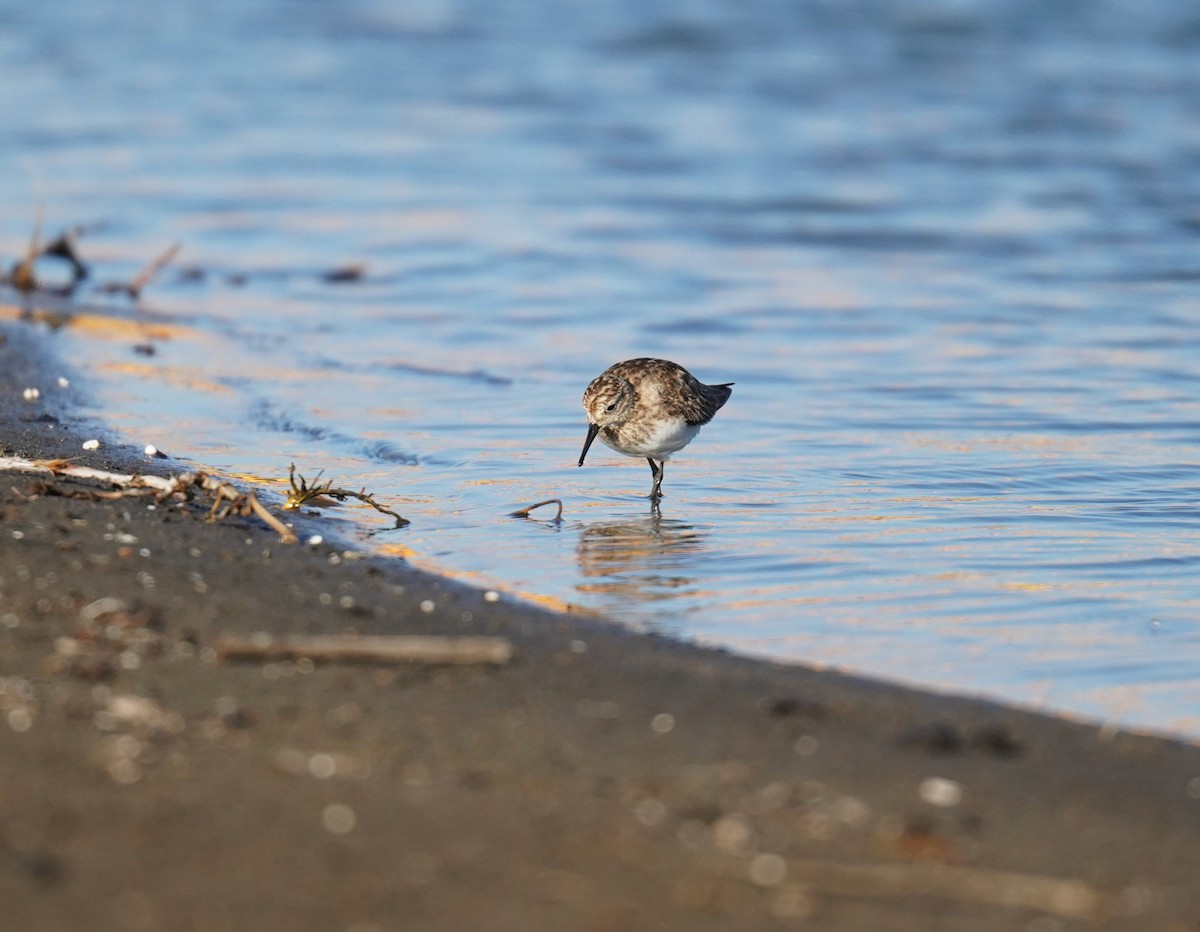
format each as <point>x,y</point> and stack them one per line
<point>611,407</point>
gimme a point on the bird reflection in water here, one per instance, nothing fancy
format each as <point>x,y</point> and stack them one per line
<point>640,561</point>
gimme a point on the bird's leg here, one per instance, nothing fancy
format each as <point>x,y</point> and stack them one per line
<point>656,470</point>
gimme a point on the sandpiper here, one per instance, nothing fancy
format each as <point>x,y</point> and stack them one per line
<point>651,408</point>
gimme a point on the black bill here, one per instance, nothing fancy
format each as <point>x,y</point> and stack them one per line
<point>592,431</point>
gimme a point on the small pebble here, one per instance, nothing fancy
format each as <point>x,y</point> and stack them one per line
<point>91,444</point>
<point>663,723</point>
<point>938,791</point>
<point>134,710</point>
<point>64,382</point>
<point>32,394</point>
<point>315,541</point>
<point>792,903</point>
<point>773,796</point>
<point>428,606</point>
<point>692,833</point>
<point>322,766</point>
<point>767,870</point>
<point>731,833</point>
<point>491,596</point>
<point>125,771</point>
<point>154,452</point>
<point>650,812</point>
<point>850,810</point>
<point>338,818</point>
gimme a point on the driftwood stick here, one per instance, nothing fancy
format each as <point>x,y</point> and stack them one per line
<point>226,497</point>
<point>1055,896</point>
<point>397,648</point>
<point>67,468</point>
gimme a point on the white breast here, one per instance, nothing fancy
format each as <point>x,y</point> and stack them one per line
<point>666,437</point>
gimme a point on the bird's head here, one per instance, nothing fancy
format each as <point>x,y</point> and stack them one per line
<point>609,402</point>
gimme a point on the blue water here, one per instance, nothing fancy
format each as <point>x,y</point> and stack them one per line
<point>948,251</point>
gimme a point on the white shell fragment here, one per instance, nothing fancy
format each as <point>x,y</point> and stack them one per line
<point>91,444</point>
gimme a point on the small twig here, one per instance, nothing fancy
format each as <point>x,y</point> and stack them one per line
<point>524,512</point>
<point>143,278</point>
<point>134,288</point>
<point>302,494</point>
<point>399,648</point>
<point>23,277</point>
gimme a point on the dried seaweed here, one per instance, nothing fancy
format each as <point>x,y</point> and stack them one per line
<point>63,247</point>
<point>345,274</point>
<point>324,494</point>
<point>23,276</point>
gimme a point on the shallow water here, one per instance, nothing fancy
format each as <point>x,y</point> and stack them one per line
<point>947,251</point>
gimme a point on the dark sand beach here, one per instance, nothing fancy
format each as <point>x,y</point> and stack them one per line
<point>599,780</point>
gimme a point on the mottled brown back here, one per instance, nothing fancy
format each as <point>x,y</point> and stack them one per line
<point>682,393</point>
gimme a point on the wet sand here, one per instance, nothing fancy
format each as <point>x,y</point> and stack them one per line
<point>600,780</point>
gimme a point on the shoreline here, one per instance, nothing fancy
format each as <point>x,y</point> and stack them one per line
<point>601,779</point>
